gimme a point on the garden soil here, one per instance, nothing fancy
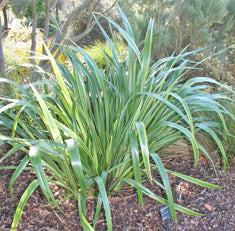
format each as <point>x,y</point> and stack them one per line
<point>217,205</point>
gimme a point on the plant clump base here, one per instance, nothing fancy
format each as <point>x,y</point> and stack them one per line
<point>127,214</point>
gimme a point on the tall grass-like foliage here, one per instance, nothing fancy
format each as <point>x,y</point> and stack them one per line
<point>92,130</point>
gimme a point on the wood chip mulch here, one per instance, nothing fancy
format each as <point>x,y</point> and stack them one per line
<point>217,205</point>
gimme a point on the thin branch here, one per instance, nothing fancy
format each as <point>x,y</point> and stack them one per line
<point>61,34</point>
<point>54,5</point>
<point>76,13</point>
<point>91,24</point>
<point>88,28</point>
<point>3,3</point>
<point>110,7</point>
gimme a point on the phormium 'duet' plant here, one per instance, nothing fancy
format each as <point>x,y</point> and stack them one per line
<point>91,130</point>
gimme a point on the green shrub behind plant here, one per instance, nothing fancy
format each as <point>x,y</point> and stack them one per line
<point>14,58</point>
<point>98,50</point>
<point>92,130</point>
<point>201,23</point>
<point>227,141</point>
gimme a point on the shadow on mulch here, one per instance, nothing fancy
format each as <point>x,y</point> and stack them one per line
<point>218,205</point>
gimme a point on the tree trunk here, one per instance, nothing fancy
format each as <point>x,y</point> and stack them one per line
<point>57,14</point>
<point>5,88</point>
<point>2,62</point>
<point>3,7</point>
<point>46,23</point>
<point>91,23</point>
<point>58,38</point>
<point>3,4</point>
<point>34,75</point>
<point>5,27</point>
<point>47,18</point>
<point>76,13</point>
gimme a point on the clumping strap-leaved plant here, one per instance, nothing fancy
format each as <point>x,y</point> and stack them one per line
<point>90,131</point>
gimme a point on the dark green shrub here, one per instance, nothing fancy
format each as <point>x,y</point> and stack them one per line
<point>201,23</point>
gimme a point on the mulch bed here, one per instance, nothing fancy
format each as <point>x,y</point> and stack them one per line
<point>218,205</point>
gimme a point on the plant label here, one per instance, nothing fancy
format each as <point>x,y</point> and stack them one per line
<point>165,212</point>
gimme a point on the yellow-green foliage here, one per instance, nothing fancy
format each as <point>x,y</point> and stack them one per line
<point>15,56</point>
<point>98,49</point>
<point>16,51</point>
<point>61,59</point>
<point>20,33</point>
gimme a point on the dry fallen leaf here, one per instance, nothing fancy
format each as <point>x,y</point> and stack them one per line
<point>208,207</point>
<point>114,200</point>
<point>201,159</point>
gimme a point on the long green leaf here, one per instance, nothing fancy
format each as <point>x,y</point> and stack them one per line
<point>136,162</point>
<point>85,224</point>
<point>49,120</point>
<point>144,147</point>
<point>59,76</point>
<point>76,163</point>
<point>195,180</point>
<point>35,159</point>
<point>27,193</point>
<point>146,57</point>
<point>16,121</point>
<point>128,38</point>
<point>160,199</point>
<point>166,183</point>
<point>13,150</point>
<point>18,171</point>
<point>97,212</point>
<point>189,135</point>
<point>217,140</point>
<point>104,197</point>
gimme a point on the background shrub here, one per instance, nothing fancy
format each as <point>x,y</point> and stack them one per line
<point>98,50</point>
<point>202,23</point>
